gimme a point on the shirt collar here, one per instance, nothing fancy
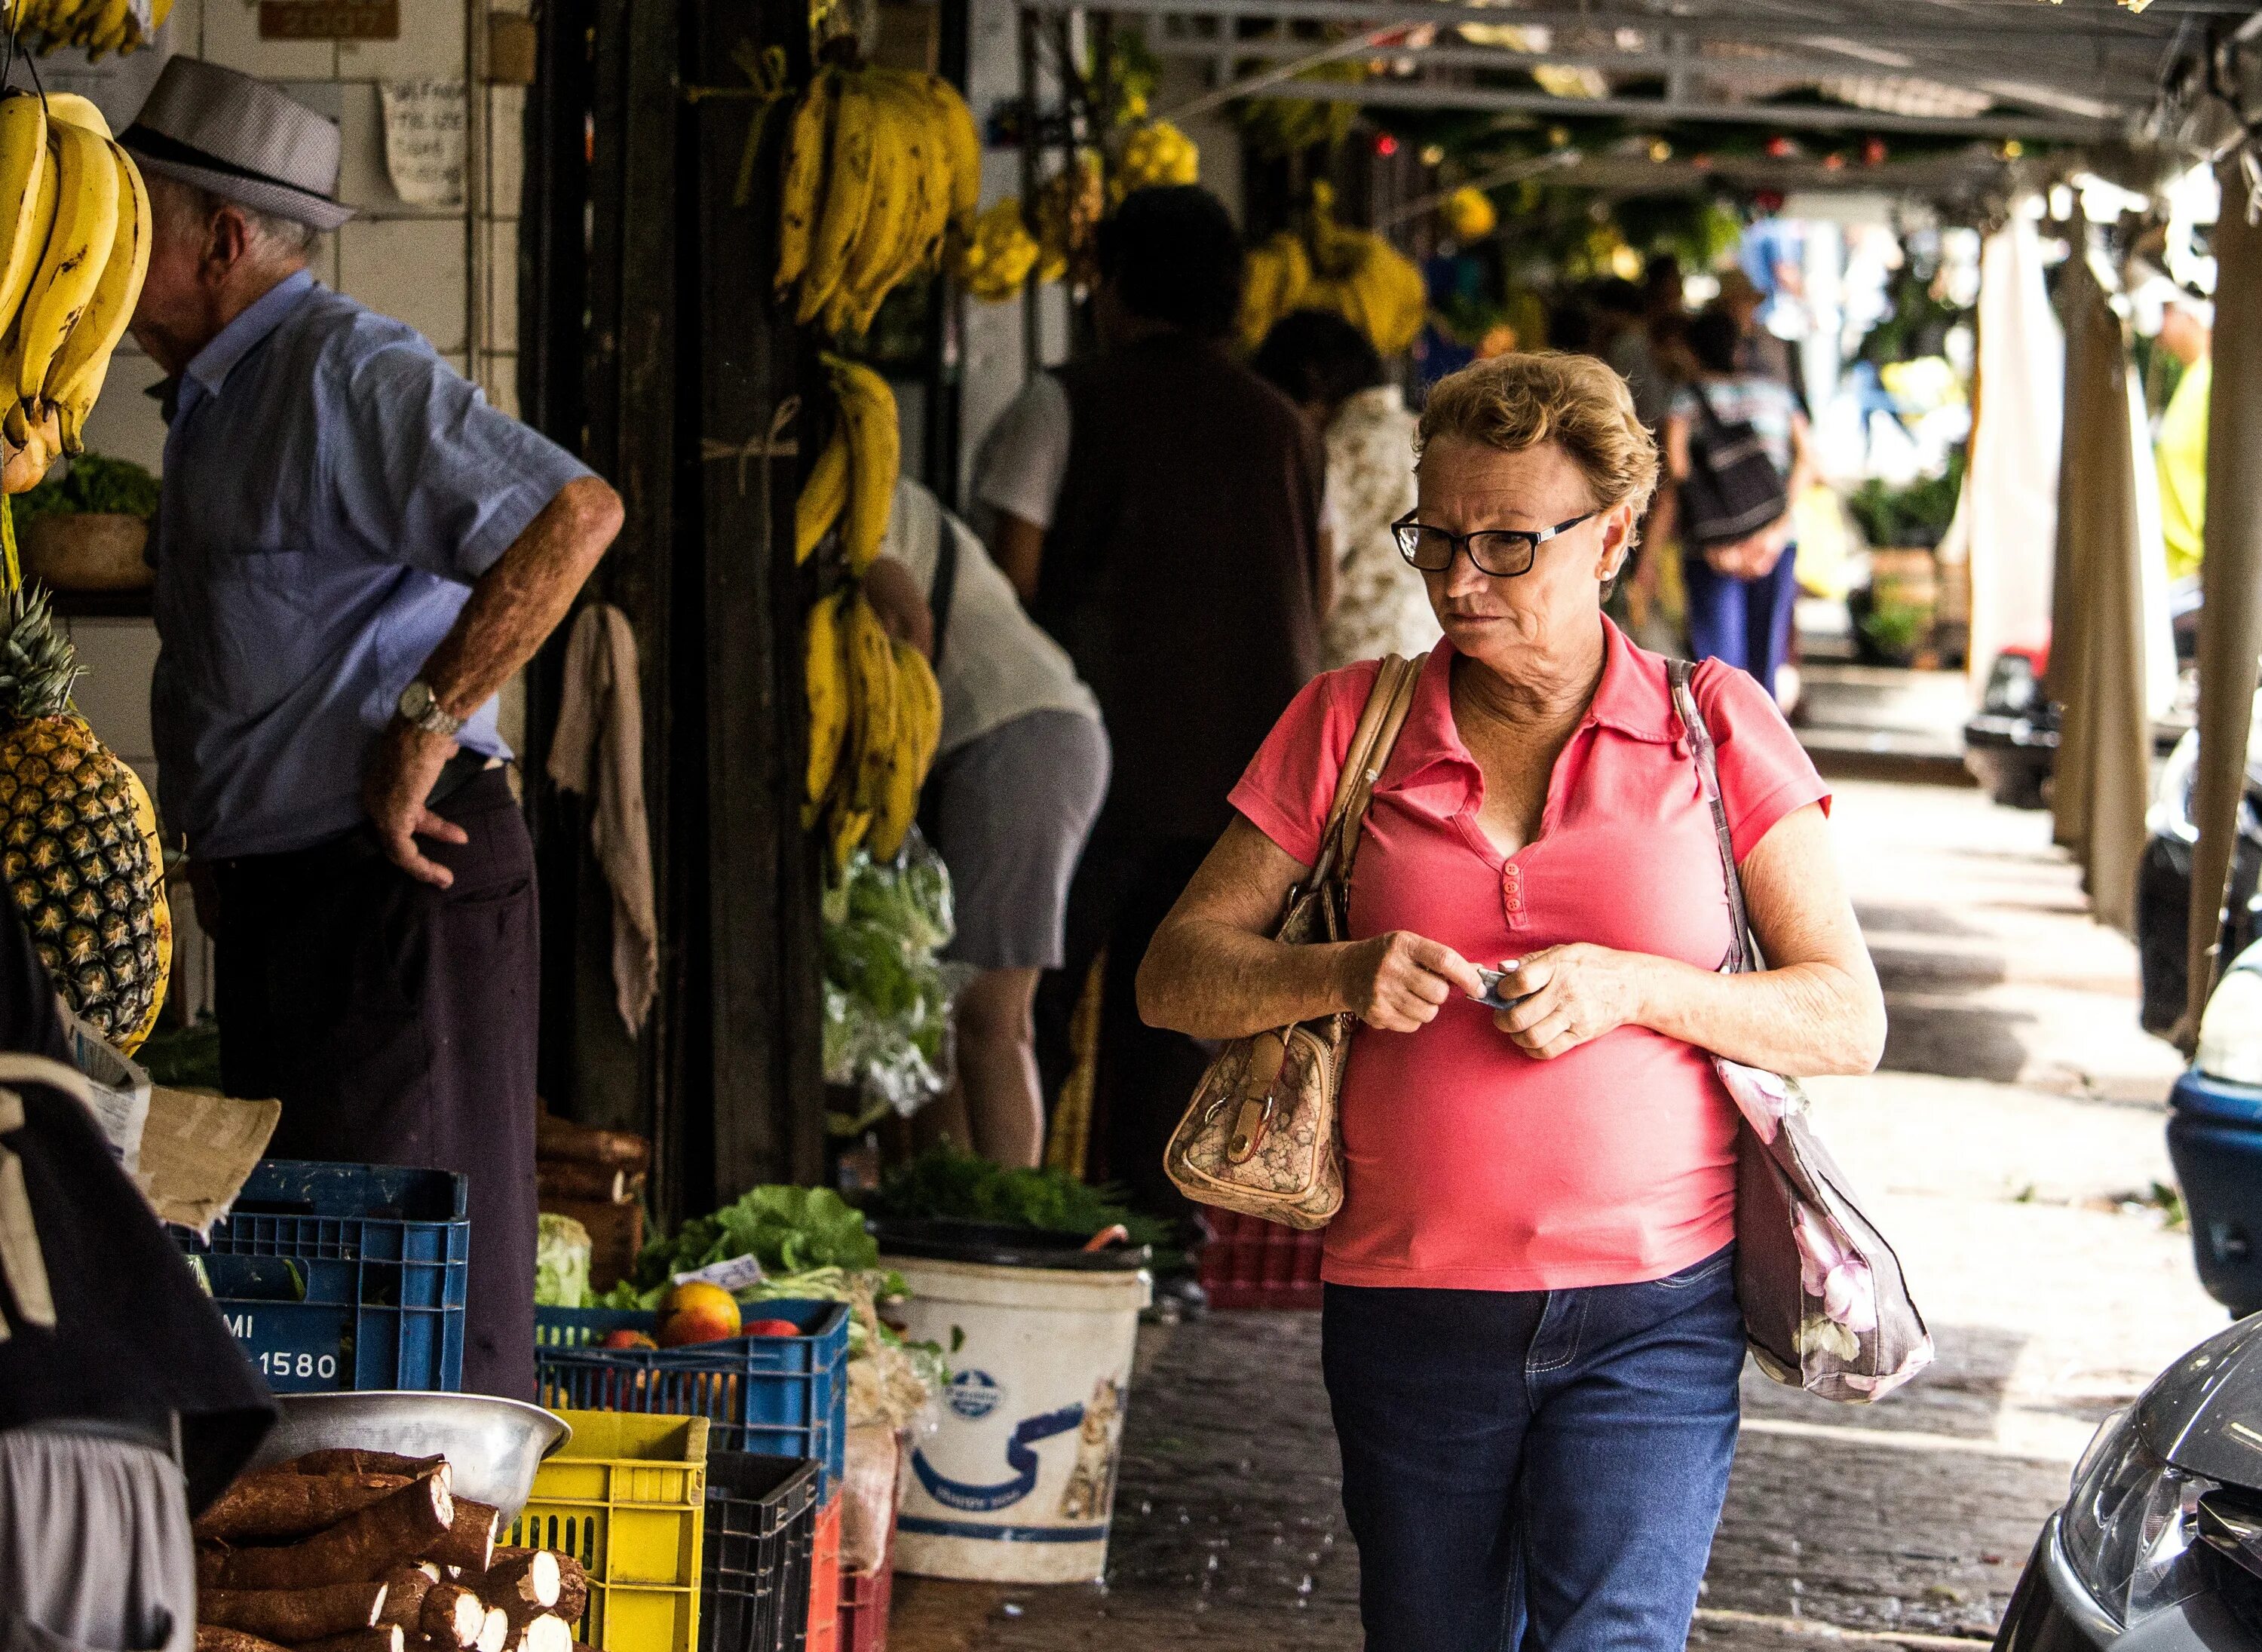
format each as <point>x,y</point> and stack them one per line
<point>236,341</point>
<point>1634,698</point>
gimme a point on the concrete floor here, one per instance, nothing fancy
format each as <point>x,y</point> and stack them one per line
<point>2011,1148</point>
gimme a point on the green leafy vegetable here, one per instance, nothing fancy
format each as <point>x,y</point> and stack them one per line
<point>93,484</point>
<point>788,1231</point>
<point>561,1263</point>
<point>947,1182</point>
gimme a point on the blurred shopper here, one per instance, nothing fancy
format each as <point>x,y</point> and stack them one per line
<point>1740,594</point>
<point>1329,369</point>
<point>1642,355</point>
<point>1160,505</point>
<point>355,553</point>
<point>1022,771</point>
<point>2179,449</point>
<point>1531,1335</point>
<point>125,1405</point>
<point>1759,352</point>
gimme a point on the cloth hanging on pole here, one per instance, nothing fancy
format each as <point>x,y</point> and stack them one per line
<point>2101,654</point>
<point>2230,577</point>
<point>2009,505</point>
<point>598,751</point>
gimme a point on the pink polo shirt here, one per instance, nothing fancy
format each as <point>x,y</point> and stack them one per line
<point>1469,1165</point>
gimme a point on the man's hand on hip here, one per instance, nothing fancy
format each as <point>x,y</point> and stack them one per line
<point>402,772</point>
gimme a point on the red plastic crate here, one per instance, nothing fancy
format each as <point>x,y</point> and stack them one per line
<point>1253,1263</point>
<point>864,1605</point>
<point>824,1582</point>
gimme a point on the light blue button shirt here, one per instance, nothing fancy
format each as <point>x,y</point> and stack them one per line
<point>332,488</point>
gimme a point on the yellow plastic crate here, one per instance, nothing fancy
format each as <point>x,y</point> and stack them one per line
<point>626,1498</point>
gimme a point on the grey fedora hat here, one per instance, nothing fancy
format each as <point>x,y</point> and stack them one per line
<point>241,139</point>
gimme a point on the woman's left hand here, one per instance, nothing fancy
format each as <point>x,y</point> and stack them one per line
<point>1572,995</point>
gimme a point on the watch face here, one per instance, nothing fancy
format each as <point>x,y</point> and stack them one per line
<point>417,701</point>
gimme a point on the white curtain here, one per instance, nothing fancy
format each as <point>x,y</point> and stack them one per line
<point>2007,522</point>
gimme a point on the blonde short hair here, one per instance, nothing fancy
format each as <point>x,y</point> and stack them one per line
<point>1517,401</point>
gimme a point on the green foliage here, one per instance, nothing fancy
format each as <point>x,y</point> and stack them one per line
<point>92,485</point>
<point>561,1263</point>
<point>787,1230</point>
<point>947,1182</point>
<point>1916,515</point>
<point>1894,629</point>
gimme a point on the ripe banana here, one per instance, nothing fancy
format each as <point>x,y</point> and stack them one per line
<point>844,830</point>
<point>868,413</point>
<point>801,197</point>
<point>822,497</point>
<point>826,672</point>
<point>873,679</point>
<point>26,182</point>
<point>962,146</point>
<point>74,110</point>
<point>898,165</point>
<point>86,225</point>
<point>847,196</point>
<point>74,378</point>
<point>920,728</point>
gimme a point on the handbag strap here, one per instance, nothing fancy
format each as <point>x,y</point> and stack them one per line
<point>1364,761</point>
<point>1743,954</point>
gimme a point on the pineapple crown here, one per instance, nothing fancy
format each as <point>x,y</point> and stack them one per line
<point>37,664</point>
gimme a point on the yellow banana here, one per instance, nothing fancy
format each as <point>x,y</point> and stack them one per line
<point>103,322</point>
<point>871,680</point>
<point>847,196</point>
<point>825,673</point>
<point>897,166</point>
<point>867,410</point>
<point>800,197</point>
<point>70,416</point>
<point>74,111</point>
<point>844,830</point>
<point>822,497</point>
<point>26,178</point>
<point>86,225</point>
<point>920,725</point>
<point>962,144</point>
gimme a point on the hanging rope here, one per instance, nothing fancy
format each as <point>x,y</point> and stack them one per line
<point>775,444</point>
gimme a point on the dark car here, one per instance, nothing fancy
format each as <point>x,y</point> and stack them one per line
<point>2159,1546</point>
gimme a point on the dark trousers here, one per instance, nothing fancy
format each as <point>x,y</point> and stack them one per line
<point>396,1022</point>
<point>1534,1471</point>
<point>1123,889</point>
<point>1742,622</point>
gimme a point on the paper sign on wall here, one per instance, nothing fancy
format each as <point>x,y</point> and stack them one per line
<point>424,139</point>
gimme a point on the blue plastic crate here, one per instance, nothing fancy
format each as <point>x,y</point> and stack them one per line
<point>780,1396</point>
<point>344,1276</point>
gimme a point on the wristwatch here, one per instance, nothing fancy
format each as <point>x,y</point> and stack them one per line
<point>420,707</point>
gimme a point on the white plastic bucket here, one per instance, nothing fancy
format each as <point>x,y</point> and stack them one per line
<point>1018,1484</point>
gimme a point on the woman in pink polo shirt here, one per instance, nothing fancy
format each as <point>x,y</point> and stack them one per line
<point>1530,1337</point>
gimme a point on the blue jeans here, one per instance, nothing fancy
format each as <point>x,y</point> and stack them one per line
<point>1742,622</point>
<point>1535,1470</point>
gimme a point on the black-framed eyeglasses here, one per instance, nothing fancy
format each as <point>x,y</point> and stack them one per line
<point>1502,553</point>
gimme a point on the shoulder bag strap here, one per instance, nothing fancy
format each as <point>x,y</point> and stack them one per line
<point>1743,952</point>
<point>1358,757</point>
<point>1386,739</point>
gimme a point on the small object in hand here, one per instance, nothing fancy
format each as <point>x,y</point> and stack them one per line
<point>1499,991</point>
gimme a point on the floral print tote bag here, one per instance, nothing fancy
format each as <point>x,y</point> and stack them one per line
<point>1825,1307</point>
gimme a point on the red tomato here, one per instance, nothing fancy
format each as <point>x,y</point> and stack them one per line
<point>770,1328</point>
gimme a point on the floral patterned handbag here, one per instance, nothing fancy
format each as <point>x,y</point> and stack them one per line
<point>1825,1307</point>
<point>1259,1136</point>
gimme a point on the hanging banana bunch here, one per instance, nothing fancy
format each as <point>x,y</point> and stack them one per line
<point>95,26</point>
<point>1068,209</point>
<point>1155,153</point>
<point>881,165</point>
<point>874,709</point>
<point>76,218</point>
<point>1326,265</point>
<point>993,263</point>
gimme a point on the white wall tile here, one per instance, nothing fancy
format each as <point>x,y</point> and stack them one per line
<point>232,39</point>
<point>119,655</point>
<point>431,43</point>
<point>501,272</point>
<point>125,423</point>
<point>412,269</point>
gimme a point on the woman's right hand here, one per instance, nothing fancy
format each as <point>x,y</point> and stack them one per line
<point>1396,983</point>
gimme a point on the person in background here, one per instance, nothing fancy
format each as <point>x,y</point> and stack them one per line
<point>1642,355</point>
<point>1758,350</point>
<point>131,1407</point>
<point>1158,504</point>
<point>1017,783</point>
<point>1740,594</point>
<point>354,553</point>
<point>2179,449</point>
<point>1330,371</point>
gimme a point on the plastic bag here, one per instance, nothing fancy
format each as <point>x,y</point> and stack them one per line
<point>887,996</point>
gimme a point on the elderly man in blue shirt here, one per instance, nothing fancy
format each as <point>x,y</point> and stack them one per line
<point>354,553</point>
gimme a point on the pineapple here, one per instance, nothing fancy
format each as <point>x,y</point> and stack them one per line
<point>78,837</point>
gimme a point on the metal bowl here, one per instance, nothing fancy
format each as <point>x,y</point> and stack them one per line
<point>492,1446</point>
